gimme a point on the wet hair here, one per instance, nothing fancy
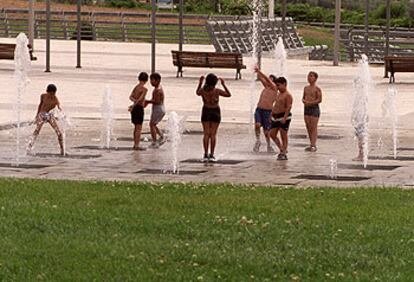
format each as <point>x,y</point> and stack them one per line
<point>155,76</point>
<point>143,76</point>
<point>211,82</point>
<point>51,88</point>
<point>315,74</point>
<point>281,80</point>
<point>273,78</point>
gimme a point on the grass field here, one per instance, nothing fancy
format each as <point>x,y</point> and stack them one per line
<point>92,231</point>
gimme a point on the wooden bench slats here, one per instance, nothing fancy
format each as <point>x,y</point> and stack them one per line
<point>207,60</point>
<point>7,51</point>
<point>395,64</point>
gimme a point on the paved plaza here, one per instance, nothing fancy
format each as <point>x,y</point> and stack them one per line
<point>116,65</point>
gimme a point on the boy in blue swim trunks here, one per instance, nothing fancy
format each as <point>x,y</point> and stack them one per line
<point>264,109</point>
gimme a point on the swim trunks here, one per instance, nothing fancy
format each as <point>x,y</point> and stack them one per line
<point>45,116</point>
<point>137,115</point>
<point>157,114</point>
<point>262,116</point>
<point>277,121</point>
<point>313,111</point>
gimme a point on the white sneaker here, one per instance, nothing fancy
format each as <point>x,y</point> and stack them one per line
<point>256,147</point>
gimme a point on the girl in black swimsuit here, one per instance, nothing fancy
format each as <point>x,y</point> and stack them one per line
<point>210,114</point>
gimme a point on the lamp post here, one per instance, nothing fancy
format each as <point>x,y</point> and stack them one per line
<point>78,35</point>
<point>337,32</point>
<point>153,33</point>
<point>366,23</point>
<point>180,24</point>
<point>271,9</point>
<point>387,34</point>
<point>47,36</point>
<point>31,23</point>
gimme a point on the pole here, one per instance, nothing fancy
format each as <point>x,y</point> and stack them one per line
<point>338,5</point>
<point>387,35</point>
<point>31,23</point>
<point>153,33</point>
<point>47,36</point>
<point>180,24</point>
<point>366,22</point>
<point>259,34</point>
<point>271,9</point>
<point>78,35</point>
<point>283,18</point>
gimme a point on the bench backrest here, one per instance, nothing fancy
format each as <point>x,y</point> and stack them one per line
<point>207,59</point>
<point>399,64</point>
<point>7,51</point>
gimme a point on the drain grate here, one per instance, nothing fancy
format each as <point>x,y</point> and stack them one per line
<point>223,162</point>
<point>193,132</point>
<point>67,156</point>
<point>92,147</point>
<point>405,149</point>
<point>163,172</point>
<point>326,177</point>
<point>369,167</point>
<point>391,158</point>
<point>25,166</point>
<point>321,136</point>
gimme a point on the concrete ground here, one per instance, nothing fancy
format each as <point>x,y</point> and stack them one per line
<point>117,64</point>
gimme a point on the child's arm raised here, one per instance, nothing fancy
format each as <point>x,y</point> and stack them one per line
<point>200,83</point>
<point>267,83</point>
<point>226,92</point>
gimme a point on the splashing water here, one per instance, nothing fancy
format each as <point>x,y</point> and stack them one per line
<point>279,55</point>
<point>389,110</point>
<point>107,118</point>
<point>175,128</point>
<point>22,65</point>
<point>333,168</point>
<point>362,89</point>
<point>64,124</point>
<point>255,60</point>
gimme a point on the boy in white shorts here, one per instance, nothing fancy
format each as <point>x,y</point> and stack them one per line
<point>158,110</point>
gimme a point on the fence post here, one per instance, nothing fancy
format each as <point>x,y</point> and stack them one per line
<point>124,35</point>
<point>93,26</point>
<point>65,26</point>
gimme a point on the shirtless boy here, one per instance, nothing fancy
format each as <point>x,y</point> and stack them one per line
<point>281,117</point>
<point>158,110</point>
<point>264,109</point>
<point>48,101</point>
<point>137,108</point>
<point>312,96</point>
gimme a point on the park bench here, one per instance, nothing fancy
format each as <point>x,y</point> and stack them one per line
<point>207,60</point>
<point>398,64</point>
<point>7,51</point>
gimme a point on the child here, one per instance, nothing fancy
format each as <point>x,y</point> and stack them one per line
<point>211,115</point>
<point>264,109</point>
<point>312,96</point>
<point>281,117</point>
<point>48,101</point>
<point>158,110</point>
<point>137,108</point>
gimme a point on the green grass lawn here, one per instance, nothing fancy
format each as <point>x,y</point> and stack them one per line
<point>93,231</point>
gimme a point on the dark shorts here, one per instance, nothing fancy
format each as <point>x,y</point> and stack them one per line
<point>137,115</point>
<point>211,115</point>
<point>313,111</point>
<point>262,116</point>
<point>276,121</point>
